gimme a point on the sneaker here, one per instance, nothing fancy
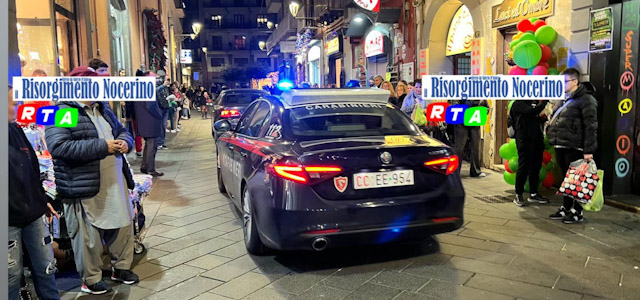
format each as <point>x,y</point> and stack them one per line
<point>173,131</point>
<point>537,198</point>
<point>519,200</point>
<point>481,175</point>
<point>96,289</point>
<point>164,147</point>
<point>139,154</point>
<point>559,215</point>
<point>167,130</point>
<point>124,276</point>
<point>573,217</point>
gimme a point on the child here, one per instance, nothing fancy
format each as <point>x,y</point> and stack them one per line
<point>186,108</point>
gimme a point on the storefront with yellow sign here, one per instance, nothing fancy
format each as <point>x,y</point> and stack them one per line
<point>333,52</point>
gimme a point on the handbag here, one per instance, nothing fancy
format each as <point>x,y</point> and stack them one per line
<point>598,197</point>
<point>580,181</point>
<point>418,116</point>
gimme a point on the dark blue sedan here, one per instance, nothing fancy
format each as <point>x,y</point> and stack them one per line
<point>315,169</point>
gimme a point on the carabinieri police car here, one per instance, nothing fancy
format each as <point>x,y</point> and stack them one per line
<point>313,169</point>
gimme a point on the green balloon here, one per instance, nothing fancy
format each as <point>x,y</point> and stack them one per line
<point>513,149</point>
<point>553,71</point>
<point>505,151</point>
<point>527,36</point>
<point>513,44</point>
<point>527,54</point>
<point>533,19</point>
<point>513,164</point>
<point>545,35</point>
<point>509,178</point>
<point>542,175</point>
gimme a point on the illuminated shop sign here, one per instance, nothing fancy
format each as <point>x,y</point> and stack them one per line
<point>372,5</point>
<point>510,12</point>
<point>185,56</point>
<point>460,33</point>
<point>374,44</point>
<point>332,46</point>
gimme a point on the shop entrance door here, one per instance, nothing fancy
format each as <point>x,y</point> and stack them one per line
<point>502,107</point>
<point>67,37</point>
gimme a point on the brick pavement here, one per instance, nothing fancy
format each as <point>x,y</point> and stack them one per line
<point>196,251</point>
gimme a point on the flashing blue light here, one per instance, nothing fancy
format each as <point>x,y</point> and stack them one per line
<point>285,85</point>
<point>396,230</point>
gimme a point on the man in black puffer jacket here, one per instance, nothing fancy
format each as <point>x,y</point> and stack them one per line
<point>91,178</point>
<point>573,133</point>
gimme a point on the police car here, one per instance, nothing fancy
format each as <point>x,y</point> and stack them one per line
<point>314,169</point>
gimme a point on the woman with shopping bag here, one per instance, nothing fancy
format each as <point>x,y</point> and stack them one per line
<point>572,131</point>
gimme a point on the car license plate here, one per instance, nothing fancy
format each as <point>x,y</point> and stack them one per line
<point>376,180</point>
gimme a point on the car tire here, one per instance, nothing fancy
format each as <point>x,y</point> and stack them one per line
<point>221,186</point>
<point>249,228</point>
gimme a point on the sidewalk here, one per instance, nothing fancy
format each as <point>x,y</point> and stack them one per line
<point>196,249</point>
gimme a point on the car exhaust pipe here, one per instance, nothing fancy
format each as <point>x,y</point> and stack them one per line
<point>320,244</point>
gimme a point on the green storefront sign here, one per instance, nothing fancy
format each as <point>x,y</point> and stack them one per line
<point>601,30</point>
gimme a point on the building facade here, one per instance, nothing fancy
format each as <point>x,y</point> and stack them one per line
<point>233,37</point>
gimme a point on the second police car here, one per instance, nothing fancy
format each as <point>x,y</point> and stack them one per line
<point>314,169</point>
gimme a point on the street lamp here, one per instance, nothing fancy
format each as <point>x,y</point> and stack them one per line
<point>204,49</point>
<point>262,44</point>
<point>294,7</point>
<point>270,25</point>
<point>196,28</point>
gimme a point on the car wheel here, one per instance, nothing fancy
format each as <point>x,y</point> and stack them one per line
<point>251,237</point>
<point>221,186</point>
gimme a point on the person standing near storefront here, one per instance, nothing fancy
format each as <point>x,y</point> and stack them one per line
<point>572,132</point>
<point>378,80</point>
<point>414,97</point>
<point>149,119</point>
<point>530,143</point>
<point>401,92</point>
<point>393,99</point>
<point>90,177</point>
<point>99,66</point>
<point>27,206</point>
<point>471,134</point>
<point>162,92</point>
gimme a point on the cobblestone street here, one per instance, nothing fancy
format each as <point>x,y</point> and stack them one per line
<point>195,248</point>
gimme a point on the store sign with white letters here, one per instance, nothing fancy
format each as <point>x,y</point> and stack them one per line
<point>460,33</point>
<point>372,5</point>
<point>374,44</point>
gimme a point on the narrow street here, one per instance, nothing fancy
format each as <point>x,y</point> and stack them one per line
<point>196,250</point>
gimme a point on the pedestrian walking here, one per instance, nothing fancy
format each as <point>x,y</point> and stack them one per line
<point>202,102</point>
<point>530,144</point>
<point>572,131</point>
<point>95,192</point>
<point>470,134</point>
<point>149,119</point>
<point>28,205</point>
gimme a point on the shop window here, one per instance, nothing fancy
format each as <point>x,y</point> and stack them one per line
<point>238,20</point>
<point>216,43</point>
<point>217,62</point>
<point>462,64</point>
<point>264,62</point>
<point>241,42</point>
<point>240,62</point>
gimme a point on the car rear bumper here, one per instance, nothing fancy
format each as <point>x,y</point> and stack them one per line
<point>359,223</point>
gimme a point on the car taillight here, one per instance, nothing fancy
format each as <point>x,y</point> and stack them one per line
<point>229,113</point>
<point>304,174</point>
<point>445,165</point>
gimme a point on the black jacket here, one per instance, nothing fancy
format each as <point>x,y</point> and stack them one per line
<point>27,199</point>
<point>77,152</point>
<point>528,123</point>
<point>576,125</point>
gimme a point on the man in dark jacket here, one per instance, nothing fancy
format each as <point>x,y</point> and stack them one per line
<point>162,92</point>
<point>530,143</point>
<point>573,133</point>
<point>149,117</point>
<point>27,206</point>
<point>471,134</point>
<point>90,174</point>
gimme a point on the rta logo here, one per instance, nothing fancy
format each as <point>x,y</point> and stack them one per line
<point>48,115</point>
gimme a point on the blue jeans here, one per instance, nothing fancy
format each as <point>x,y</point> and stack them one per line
<point>36,239</point>
<point>163,133</point>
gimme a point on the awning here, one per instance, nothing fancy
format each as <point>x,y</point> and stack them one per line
<point>359,25</point>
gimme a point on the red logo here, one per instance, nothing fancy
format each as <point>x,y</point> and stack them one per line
<point>341,183</point>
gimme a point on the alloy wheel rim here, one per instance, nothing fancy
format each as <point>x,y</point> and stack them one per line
<point>246,216</point>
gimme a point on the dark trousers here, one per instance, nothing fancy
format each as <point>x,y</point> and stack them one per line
<point>471,134</point>
<point>149,155</point>
<point>529,162</point>
<point>565,157</point>
<point>163,126</point>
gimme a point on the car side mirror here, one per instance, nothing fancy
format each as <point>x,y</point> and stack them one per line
<point>222,126</point>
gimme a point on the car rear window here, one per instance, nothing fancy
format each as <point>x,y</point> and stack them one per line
<point>240,98</point>
<point>347,120</point>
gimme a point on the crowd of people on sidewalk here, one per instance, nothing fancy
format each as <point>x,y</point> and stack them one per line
<point>93,180</point>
